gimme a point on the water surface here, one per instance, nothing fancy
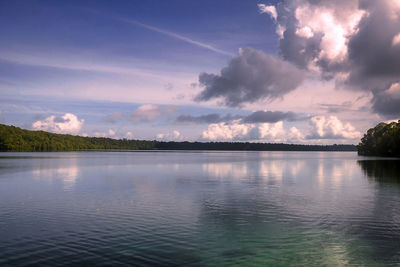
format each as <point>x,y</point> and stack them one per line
<point>199,209</point>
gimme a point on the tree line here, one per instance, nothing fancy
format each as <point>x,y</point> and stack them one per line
<point>382,140</point>
<point>16,139</point>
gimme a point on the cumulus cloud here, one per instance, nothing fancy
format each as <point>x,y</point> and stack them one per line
<point>295,135</point>
<point>331,128</point>
<point>110,133</point>
<point>67,124</point>
<point>355,42</point>
<point>271,10</point>
<point>320,127</point>
<point>250,77</point>
<point>128,135</point>
<point>237,131</point>
<point>149,112</point>
<point>175,135</point>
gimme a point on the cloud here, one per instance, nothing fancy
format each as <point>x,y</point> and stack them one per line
<point>71,62</point>
<point>320,127</point>
<point>110,133</point>
<point>315,33</point>
<point>255,117</point>
<point>250,77</point>
<point>169,86</point>
<point>396,40</point>
<point>114,117</point>
<point>128,135</point>
<point>149,112</point>
<point>387,102</point>
<point>177,36</point>
<point>270,10</point>
<point>236,131</point>
<point>272,117</point>
<point>208,118</point>
<point>337,108</point>
<point>175,135</point>
<point>354,42</point>
<point>331,128</point>
<point>67,124</point>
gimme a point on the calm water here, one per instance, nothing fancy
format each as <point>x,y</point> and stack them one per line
<point>199,209</point>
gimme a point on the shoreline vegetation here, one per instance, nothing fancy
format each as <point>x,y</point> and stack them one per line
<point>383,140</point>
<point>14,139</point>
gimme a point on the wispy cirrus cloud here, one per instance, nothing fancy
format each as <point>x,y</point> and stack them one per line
<point>70,62</point>
<point>177,36</point>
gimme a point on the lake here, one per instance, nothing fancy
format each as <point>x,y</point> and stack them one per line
<point>199,209</point>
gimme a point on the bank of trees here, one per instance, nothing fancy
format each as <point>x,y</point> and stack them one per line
<point>382,140</point>
<point>17,139</point>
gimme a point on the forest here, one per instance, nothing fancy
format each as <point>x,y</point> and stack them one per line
<point>19,140</point>
<point>382,140</point>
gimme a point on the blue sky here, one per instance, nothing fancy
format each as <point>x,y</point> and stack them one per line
<point>135,69</point>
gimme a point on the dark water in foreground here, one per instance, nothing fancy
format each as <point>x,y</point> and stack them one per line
<point>199,209</point>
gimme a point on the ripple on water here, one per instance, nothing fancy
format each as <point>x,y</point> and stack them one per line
<point>198,209</point>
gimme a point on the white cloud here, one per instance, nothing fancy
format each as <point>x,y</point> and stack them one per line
<point>271,10</point>
<point>149,112</point>
<point>129,135</point>
<point>99,134</point>
<point>331,128</point>
<point>396,40</point>
<point>335,28</point>
<point>320,128</point>
<point>175,135</point>
<point>111,132</point>
<point>236,131</point>
<point>295,135</point>
<point>305,32</point>
<point>69,123</point>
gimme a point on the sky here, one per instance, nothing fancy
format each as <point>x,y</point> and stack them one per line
<point>292,71</point>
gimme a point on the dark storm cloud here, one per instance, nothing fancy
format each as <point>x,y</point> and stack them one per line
<point>255,117</point>
<point>387,104</point>
<point>272,117</point>
<point>299,50</point>
<point>373,57</point>
<point>208,118</point>
<point>250,77</point>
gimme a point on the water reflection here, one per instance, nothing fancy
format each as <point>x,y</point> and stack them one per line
<point>226,169</point>
<point>381,170</point>
<point>68,175</point>
<point>208,208</point>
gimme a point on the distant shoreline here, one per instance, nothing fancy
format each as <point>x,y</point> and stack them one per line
<point>14,139</point>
